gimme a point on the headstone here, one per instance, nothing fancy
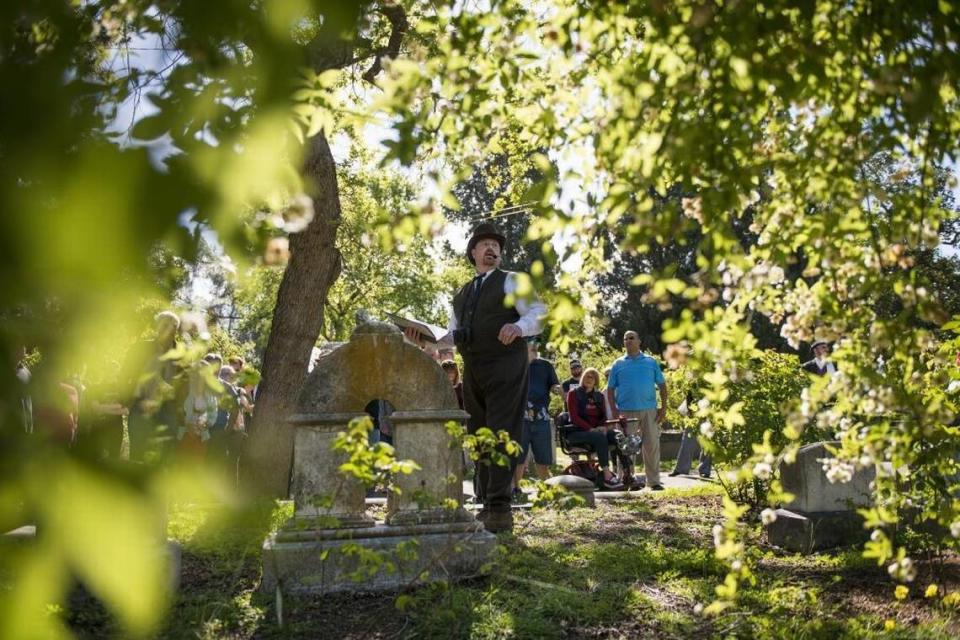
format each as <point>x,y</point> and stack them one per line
<point>576,485</point>
<point>669,444</point>
<point>822,514</point>
<point>427,534</point>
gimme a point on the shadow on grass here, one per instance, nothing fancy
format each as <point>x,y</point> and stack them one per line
<point>630,569</point>
<point>576,574</point>
<point>220,568</point>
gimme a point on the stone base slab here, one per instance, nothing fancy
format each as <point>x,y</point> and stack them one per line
<point>809,532</point>
<point>331,561</point>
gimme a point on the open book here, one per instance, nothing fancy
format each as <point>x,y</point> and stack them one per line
<point>430,332</point>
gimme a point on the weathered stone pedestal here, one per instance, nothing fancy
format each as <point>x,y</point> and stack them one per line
<point>822,515</point>
<point>336,560</point>
<point>331,544</point>
<point>577,486</point>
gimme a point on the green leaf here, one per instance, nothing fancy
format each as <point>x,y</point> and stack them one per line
<point>151,127</point>
<point>115,540</point>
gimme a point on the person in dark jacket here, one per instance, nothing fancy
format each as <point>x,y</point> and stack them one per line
<point>453,375</point>
<point>819,366</point>
<point>487,331</point>
<point>576,370</point>
<point>588,413</point>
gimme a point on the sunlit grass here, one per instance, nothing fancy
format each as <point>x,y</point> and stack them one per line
<point>629,568</point>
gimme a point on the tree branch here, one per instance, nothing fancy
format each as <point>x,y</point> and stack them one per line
<point>399,26</point>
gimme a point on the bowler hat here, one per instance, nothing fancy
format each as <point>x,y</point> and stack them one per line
<point>818,343</point>
<point>483,231</point>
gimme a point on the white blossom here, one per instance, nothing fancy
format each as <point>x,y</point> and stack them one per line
<point>903,570</point>
<point>955,529</point>
<point>297,216</point>
<point>837,470</point>
<point>762,470</point>
<point>768,516</point>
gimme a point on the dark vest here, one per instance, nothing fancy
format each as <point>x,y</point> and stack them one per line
<point>811,367</point>
<point>580,394</point>
<point>489,316</point>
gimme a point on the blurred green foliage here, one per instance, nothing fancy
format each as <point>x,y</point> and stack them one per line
<point>98,224</point>
<point>778,108</point>
<point>764,391</point>
<point>774,111</point>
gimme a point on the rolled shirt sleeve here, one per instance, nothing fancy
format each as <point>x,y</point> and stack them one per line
<point>532,310</point>
<point>452,325</point>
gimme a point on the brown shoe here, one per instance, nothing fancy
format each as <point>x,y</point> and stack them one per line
<point>498,521</point>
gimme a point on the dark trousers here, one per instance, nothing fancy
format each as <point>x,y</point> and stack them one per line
<point>495,396</point>
<point>690,449</point>
<point>601,443</point>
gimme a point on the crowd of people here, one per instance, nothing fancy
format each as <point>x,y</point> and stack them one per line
<point>505,391</point>
<point>156,405</point>
<point>203,409</point>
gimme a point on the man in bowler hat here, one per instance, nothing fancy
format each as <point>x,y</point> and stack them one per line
<point>819,366</point>
<point>488,333</point>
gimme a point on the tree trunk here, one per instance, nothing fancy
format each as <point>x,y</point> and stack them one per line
<point>313,268</point>
<point>297,319</point>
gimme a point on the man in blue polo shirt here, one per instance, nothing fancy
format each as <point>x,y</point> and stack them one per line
<point>632,393</point>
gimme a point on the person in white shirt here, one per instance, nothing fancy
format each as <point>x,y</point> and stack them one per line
<point>488,333</point>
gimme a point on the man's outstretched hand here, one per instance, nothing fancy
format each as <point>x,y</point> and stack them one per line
<point>509,333</point>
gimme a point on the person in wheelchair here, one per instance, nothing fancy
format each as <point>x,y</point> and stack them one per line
<point>587,410</point>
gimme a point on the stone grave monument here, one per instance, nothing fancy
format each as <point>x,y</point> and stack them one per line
<point>427,534</point>
<point>822,514</point>
<point>577,486</point>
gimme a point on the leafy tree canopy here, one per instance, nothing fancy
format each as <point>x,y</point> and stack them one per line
<point>771,113</point>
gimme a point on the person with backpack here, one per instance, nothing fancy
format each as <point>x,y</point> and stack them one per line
<point>587,409</point>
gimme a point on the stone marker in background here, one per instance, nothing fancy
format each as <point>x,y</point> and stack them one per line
<point>669,445</point>
<point>822,514</point>
<point>577,486</point>
<point>427,534</point>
